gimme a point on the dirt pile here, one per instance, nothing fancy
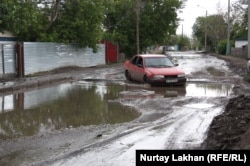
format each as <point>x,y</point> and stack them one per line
<point>231,129</point>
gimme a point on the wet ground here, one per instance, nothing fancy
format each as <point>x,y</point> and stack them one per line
<point>99,117</point>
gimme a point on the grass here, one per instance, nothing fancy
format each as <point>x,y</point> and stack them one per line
<point>215,72</point>
<point>247,77</point>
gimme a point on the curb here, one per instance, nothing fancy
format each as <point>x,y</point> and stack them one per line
<point>30,83</point>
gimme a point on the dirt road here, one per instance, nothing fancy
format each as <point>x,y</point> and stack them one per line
<point>168,117</point>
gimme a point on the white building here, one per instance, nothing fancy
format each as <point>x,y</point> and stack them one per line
<point>240,42</point>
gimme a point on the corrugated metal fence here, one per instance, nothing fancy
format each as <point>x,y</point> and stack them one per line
<point>8,58</point>
<point>40,56</point>
<point>48,56</point>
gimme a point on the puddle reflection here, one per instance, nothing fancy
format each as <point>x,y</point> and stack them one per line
<point>208,90</point>
<point>191,89</point>
<point>62,106</point>
<point>84,103</point>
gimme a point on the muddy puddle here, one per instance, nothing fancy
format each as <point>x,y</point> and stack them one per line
<point>84,103</point>
<point>62,106</point>
<point>191,89</point>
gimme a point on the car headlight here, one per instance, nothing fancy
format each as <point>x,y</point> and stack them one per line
<point>181,75</point>
<point>158,76</point>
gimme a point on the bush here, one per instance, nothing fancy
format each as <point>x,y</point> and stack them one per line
<point>247,77</point>
<point>222,46</point>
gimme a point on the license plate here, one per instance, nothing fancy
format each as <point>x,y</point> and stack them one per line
<point>169,93</point>
<point>171,80</point>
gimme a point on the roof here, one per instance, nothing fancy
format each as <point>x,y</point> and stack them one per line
<point>152,55</point>
<point>241,38</point>
<point>6,34</point>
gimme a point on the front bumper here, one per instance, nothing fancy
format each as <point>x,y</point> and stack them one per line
<point>168,81</point>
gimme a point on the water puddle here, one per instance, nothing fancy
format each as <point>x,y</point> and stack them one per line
<point>191,89</point>
<point>209,89</point>
<point>62,106</point>
<point>84,103</point>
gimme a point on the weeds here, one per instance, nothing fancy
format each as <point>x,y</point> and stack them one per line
<point>215,72</point>
<point>247,77</point>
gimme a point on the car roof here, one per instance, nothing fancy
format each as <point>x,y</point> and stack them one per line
<point>151,55</point>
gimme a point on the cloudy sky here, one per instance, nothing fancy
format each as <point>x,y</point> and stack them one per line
<point>197,8</point>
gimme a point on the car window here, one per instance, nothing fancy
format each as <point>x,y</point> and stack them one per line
<point>134,60</point>
<point>158,62</point>
<point>139,61</point>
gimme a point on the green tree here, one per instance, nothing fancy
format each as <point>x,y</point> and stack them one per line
<point>78,21</point>
<point>183,41</point>
<point>66,21</point>
<point>215,28</point>
<point>158,21</point>
<point>22,18</point>
<point>239,20</point>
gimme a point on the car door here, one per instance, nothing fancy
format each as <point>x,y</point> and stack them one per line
<point>133,67</point>
<point>139,69</point>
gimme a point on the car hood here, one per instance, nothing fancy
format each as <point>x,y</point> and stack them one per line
<point>165,71</point>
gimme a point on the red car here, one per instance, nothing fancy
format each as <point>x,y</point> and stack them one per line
<point>154,69</point>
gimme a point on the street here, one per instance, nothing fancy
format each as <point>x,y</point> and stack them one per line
<point>119,116</point>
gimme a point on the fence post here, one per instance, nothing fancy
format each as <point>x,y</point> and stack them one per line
<point>3,67</point>
<point>20,60</point>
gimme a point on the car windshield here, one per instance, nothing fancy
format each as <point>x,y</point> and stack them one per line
<point>158,62</point>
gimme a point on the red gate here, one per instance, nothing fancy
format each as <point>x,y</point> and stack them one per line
<point>111,52</point>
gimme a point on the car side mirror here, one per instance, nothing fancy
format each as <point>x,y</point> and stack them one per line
<point>140,65</point>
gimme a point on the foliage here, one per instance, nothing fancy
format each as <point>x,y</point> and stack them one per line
<point>157,22</point>
<point>239,20</point>
<point>88,21</point>
<point>213,26</point>
<point>215,72</point>
<point>23,19</point>
<point>247,77</point>
<point>217,26</point>
<point>182,41</point>
<point>61,21</point>
<point>79,22</point>
<point>222,47</point>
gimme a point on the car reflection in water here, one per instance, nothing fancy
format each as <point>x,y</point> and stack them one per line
<point>133,92</point>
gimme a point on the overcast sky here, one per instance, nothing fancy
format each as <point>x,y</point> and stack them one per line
<point>197,8</point>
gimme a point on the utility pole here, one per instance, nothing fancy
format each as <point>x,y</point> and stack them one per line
<point>206,34</point>
<point>248,29</point>
<point>228,30</point>
<point>182,44</point>
<point>205,42</point>
<point>138,3</point>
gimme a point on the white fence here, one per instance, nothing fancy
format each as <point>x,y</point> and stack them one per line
<point>8,58</point>
<point>40,56</point>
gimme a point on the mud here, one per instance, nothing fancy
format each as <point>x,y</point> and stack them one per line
<point>230,130</point>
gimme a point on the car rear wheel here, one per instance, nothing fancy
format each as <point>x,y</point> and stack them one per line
<point>127,75</point>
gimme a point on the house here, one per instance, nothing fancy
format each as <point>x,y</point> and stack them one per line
<point>7,37</point>
<point>241,47</point>
<point>241,42</point>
